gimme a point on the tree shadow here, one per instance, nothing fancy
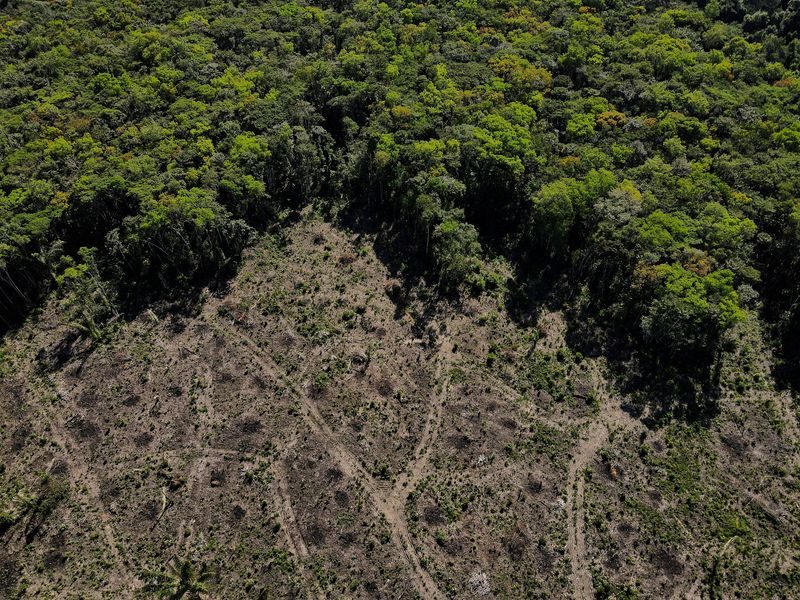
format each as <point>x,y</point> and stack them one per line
<point>786,369</point>
<point>397,249</point>
<point>394,245</point>
<point>20,295</point>
<point>658,388</point>
<point>173,302</point>
<point>661,394</point>
<point>529,294</point>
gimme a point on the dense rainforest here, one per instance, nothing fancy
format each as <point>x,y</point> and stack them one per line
<point>637,163</point>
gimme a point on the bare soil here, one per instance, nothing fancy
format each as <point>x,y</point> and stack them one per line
<point>303,436</point>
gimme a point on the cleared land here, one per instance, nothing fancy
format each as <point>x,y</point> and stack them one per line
<point>308,433</point>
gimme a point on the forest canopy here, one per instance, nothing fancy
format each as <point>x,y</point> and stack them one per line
<point>645,154</point>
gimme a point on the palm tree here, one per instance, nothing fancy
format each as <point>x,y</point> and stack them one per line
<point>181,580</point>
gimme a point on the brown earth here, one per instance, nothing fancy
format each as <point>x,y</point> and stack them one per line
<point>304,436</point>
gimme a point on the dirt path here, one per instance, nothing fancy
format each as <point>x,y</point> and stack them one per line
<point>294,537</point>
<point>594,438</point>
<point>692,593</point>
<point>206,452</point>
<point>351,466</point>
<point>285,512</point>
<point>416,470</point>
<point>80,473</point>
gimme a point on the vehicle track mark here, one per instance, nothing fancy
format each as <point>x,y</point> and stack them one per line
<point>294,536</point>
<point>610,418</point>
<point>350,465</point>
<point>81,473</point>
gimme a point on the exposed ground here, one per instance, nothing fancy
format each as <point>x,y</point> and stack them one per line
<point>316,431</point>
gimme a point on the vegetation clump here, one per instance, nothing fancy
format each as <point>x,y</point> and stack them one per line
<point>645,154</point>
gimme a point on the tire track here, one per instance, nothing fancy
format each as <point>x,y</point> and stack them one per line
<point>294,536</point>
<point>594,439</point>
<point>410,478</point>
<point>81,473</point>
<point>198,454</point>
<point>351,466</point>
<point>576,542</point>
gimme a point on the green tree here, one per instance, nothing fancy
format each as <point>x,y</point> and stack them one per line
<point>456,252</point>
<point>689,312</point>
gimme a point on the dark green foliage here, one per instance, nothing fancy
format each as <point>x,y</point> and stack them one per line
<point>644,155</point>
<point>181,579</point>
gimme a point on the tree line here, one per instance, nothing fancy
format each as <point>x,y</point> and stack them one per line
<point>646,155</point>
